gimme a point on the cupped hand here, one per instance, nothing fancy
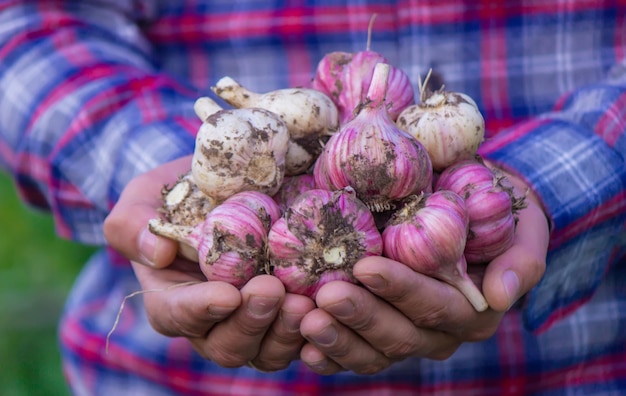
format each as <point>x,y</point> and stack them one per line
<point>398,313</point>
<point>257,325</point>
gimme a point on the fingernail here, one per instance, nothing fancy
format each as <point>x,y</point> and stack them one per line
<point>290,320</point>
<point>262,306</point>
<point>147,246</point>
<point>318,366</point>
<point>374,281</point>
<point>326,337</point>
<point>511,285</point>
<point>342,309</point>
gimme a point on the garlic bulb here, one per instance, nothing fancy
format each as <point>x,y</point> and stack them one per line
<point>428,234</point>
<point>492,205</point>
<point>238,150</point>
<point>231,242</point>
<point>311,117</point>
<point>320,238</point>
<point>346,77</point>
<point>448,124</point>
<point>372,155</point>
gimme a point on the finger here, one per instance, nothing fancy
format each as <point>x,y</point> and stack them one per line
<point>427,302</point>
<point>125,228</point>
<point>515,272</point>
<point>237,340</point>
<point>341,344</point>
<point>383,326</point>
<point>182,305</point>
<point>283,341</point>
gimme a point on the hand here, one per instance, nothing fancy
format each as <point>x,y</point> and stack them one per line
<point>400,313</point>
<point>259,323</point>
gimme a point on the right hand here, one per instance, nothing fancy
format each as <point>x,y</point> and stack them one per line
<point>258,325</point>
<point>400,313</point>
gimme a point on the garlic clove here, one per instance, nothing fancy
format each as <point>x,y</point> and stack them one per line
<point>428,234</point>
<point>299,158</point>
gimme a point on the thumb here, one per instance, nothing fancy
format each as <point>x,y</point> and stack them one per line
<point>125,228</point>
<point>512,274</point>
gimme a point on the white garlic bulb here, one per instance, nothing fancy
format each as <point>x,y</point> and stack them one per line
<point>448,124</point>
<point>310,115</point>
<point>238,150</point>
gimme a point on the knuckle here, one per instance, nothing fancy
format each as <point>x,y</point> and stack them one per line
<point>158,327</point>
<point>400,350</point>
<point>340,350</point>
<point>363,323</point>
<point>399,294</point>
<point>284,340</point>
<point>179,319</point>
<point>372,368</point>
<point>181,329</point>
<point>433,317</point>
<point>270,365</point>
<point>251,329</point>
<point>538,266</point>
<point>443,354</point>
<point>480,334</point>
<point>227,358</point>
<point>157,319</point>
<point>444,351</point>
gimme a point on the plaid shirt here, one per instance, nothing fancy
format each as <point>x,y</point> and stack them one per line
<point>93,93</point>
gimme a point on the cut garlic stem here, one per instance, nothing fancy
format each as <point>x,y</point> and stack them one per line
<point>204,107</point>
<point>178,193</point>
<point>234,93</point>
<point>473,295</point>
<point>335,255</point>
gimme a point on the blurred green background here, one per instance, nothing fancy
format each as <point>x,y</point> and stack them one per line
<point>37,270</point>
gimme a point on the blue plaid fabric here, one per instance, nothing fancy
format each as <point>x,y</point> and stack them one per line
<point>93,93</point>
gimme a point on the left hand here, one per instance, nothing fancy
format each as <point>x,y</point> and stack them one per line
<point>400,313</point>
<point>256,325</point>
